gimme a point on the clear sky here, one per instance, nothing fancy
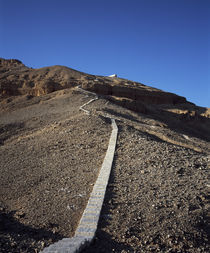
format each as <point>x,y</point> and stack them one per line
<point>161,43</point>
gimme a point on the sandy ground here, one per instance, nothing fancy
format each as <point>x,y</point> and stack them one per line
<point>157,197</point>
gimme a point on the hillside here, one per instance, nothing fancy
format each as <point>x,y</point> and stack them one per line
<point>51,153</point>
<point>175,111</point>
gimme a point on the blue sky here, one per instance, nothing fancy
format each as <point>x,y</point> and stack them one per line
<point>161,43</point>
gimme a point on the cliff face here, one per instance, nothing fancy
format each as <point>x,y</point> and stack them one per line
<point>134,91</point>
<point>16,79</point>
<point>132,95</point>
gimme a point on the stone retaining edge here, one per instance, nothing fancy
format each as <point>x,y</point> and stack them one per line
<point>86,111</point>
<point>87,227</point>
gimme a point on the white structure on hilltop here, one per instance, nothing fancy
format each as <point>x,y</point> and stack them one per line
<point>114,75</point>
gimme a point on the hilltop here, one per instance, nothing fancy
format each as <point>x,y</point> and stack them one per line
<point>51,153</point>
<point>175,111</point>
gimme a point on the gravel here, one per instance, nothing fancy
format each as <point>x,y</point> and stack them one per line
<point>157,198</point>
<point>50,155</point>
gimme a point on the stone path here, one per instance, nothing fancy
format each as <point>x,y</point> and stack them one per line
<point>87,227</point>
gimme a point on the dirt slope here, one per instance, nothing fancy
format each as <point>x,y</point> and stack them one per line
<point>173,110</point>
<point>50,154</point>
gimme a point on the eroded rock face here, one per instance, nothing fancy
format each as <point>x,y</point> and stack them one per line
<point>40,88</point>
<point>7,89</point>
<point>141,93</point>
<point>7,64</point>
<point>134,105</point>
<point>17,79</point>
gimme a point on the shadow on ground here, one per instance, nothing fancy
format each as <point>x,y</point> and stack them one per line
<point>17,237</point>
<point>193,126</point>
<point>193,237</point>
<point>103,242</point>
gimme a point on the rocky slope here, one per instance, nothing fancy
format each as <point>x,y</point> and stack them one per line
<point>17,79</point>
<point>173,110</point>
<point>50,154</point>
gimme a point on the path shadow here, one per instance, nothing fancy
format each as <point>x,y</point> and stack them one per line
<point>122,115</point>
<point>9,130</point>
<point>17,237</point>
<point>103,242</point>
<point>202,225</point>
<point>192,124</point>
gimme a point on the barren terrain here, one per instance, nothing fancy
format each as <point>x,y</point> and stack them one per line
<point>50,156</point>
<point>51,153</point>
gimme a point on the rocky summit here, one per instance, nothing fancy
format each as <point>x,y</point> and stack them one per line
<point>51,152</point>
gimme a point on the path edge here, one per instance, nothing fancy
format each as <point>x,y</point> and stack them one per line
<point>87,227</point>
